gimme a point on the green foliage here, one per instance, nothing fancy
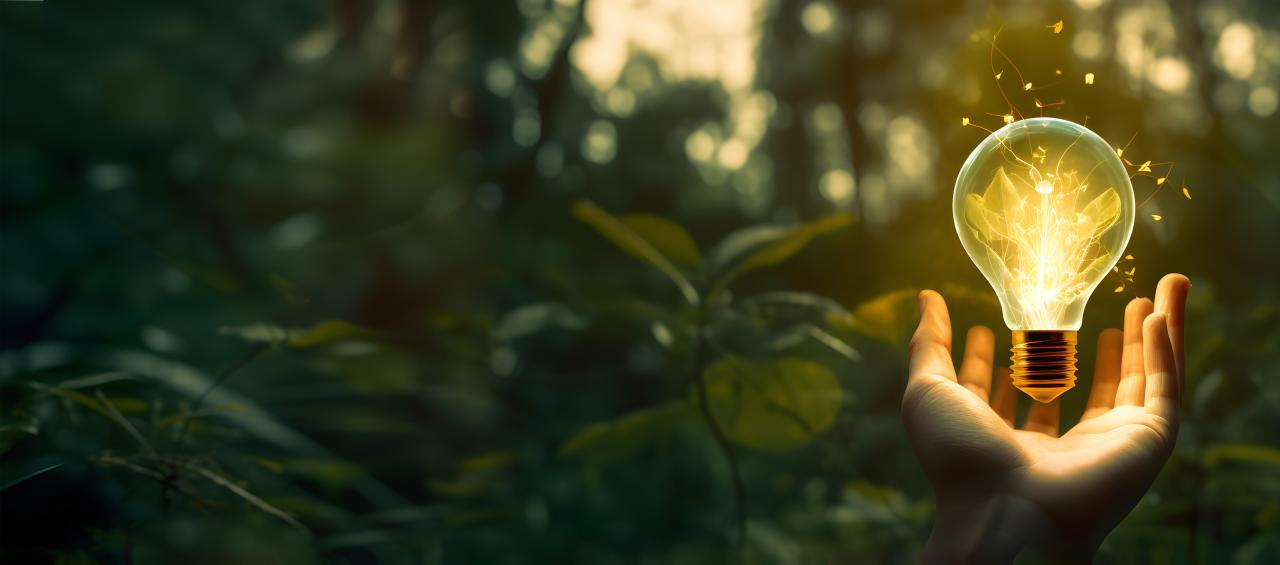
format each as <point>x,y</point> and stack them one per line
<point>298,282</point>
<point>629,434</point>
<point>644,240</point>
<point>744,252</point>
<point>778,405</point>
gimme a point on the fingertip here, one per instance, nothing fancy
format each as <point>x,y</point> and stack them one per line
<point>980,334</point>
<point>1171,294</point>
<point>1109,336</point>
<point>1139,304</point>
<point>1156,326</point>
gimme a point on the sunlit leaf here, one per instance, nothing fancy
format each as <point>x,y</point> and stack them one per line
<point>667,237</point>
<point>327,332</point>
<point>777,405</point>
<point>486,461</point>
<point>779,250</point>
<point>1157,217</point>
<point>1241,452</point>
<point>1186,192</point>
<point>734,247</point>
<point>623,436</point>
<point>1088,79</point>
<point>635,244</point>
<point>889,316</point>
<point>1056,27</point>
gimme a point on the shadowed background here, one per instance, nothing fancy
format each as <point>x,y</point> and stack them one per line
<point>557,281</point>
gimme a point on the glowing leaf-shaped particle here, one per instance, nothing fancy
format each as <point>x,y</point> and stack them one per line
<point>1088,78</point>
<point>1145,167</point>
<point>1186,193</point>
<point>1157,217</point>
<point>1056,27</point>
<point>964,121</point>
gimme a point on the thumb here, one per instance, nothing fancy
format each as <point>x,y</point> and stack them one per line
<point>930,348</point>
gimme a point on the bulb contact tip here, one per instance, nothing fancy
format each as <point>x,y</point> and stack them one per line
<point>1044,363</point>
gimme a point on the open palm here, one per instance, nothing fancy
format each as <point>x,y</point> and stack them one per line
<point>1032,481</point>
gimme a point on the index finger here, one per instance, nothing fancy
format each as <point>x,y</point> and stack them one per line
<point>1171,299</point>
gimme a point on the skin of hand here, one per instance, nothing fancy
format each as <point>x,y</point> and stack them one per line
<point>1002,490</point>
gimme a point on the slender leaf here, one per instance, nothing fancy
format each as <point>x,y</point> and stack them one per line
<point>10,484</point>
<point>532,318</point>
<point>667,237</point>
<point>326,332</point>
<point>1243,452</point>
<point>635,244</point>
<point>781,249</point>
<point>248,496</point>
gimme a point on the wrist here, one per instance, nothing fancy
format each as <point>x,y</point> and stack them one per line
<point>996,528</point>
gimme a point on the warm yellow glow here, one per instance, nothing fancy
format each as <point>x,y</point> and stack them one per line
<point>1045,208</point>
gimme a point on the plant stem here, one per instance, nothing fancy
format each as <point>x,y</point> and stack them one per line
<point>704,406</point>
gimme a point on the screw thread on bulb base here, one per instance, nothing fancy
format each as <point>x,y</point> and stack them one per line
<point>1044,363</point>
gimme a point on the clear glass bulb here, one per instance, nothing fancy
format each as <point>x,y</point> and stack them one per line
<point>1044,207</point>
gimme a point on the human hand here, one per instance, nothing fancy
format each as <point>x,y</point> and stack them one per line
<point>1000,489</point>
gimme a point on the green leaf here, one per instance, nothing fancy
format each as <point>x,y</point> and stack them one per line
<point>776,405</point>
<point>326,332</point>
<point>533,318</point>
<point>96,380</point>
<point>668,238</point>
<point>778,247</point>
<point>647,245</point>
<point>27,476</point>
<point>489,461</point>
<point>1244,452</point>
<point>888,317</point>
<point>628,434</point>
<point>15,429</point>
<point>379,371</point>
<point>738,244</point>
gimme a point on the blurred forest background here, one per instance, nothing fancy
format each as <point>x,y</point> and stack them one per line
<point>579,281</point>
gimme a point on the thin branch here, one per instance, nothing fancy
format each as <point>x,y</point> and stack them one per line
<point>248,496</point>
<point>222,377</point>
<point>124,422</point>
<point>704,406</point>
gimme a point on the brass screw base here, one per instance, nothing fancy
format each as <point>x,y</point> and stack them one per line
<point>1044,363</point>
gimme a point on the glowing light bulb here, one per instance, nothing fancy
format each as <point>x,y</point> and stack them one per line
<point>1044,207</point>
